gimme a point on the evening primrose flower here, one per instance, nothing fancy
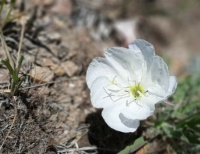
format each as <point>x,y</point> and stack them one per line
<point>127,84</point>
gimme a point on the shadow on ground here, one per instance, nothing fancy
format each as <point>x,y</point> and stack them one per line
<point>107,140</point>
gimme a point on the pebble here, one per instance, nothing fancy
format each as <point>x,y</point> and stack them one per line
<point>4,76</point>
<point>41,74</point>
<point>57,69</point>
<point>62,7</point>
<point>70,68</point>
<point>54,37</point>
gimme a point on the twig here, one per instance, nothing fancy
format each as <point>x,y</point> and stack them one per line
<point>44,84</point>
<point>79,149</point>
<point>13,121</point>
<point>168,103</point>
<point>5,91</point>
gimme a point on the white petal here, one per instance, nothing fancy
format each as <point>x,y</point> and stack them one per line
<point>138,110</point>
<point>155,94</point>
<point>131,123</point>
<point>172,85</point>
<point>101,94</point>
<point>128,63</point>
<point>154,98</point>
<point>145,47</point>
<point>151,100</point>
<point>158,73</point>
<point>114,119</point>
<point>156,67</point>
<point>157,90</point>
<point>99,67</point>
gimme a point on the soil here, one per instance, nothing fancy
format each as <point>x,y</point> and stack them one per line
<point>54,113</point>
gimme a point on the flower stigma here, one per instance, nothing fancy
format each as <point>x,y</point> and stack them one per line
<point>137,91</point>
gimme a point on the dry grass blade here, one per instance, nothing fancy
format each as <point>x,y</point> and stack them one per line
<point>6,51</point>
<point>20,44</point>
<point>5,90</point>
<point>44,84</point>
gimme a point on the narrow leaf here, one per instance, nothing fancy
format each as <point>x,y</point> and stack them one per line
<point>138,143</point>
<point>20,63</point>
<point>15,76</point>
<point>2,5</point>
<point>8,66</point>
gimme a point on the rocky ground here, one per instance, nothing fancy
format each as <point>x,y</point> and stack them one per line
<point>54,113</point>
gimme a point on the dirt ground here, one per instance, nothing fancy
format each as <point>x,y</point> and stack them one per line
<point>54,112</point>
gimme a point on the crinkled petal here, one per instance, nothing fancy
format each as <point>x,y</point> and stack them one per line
<point>156,94</point>
<point>154,98</point>
<point>172,85</point>
<point>157,90</point>
<point>145,47</point>
<point>151,100</point>
<point>158,73</point>
<point>138,110</point>
<point>101,94</point>
<point>128,63</point>
<point>99,67</point>
<point>113,117</point>
<point>156,67</point>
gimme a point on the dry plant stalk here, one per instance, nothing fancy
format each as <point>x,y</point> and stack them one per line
<point>16,66</point>
<point>6,51</point>
<point>23,23</point>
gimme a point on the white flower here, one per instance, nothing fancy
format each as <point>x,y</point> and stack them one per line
<point>128,83</point>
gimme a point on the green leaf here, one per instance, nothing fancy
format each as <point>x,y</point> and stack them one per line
<point>7,64</point>
<point>192,138</point>
<point>15,76</point>
<point>137,144</point>
<point>13,1</point>
<point>2,5</point>
<point>20,63</point>
<point>190,121</point>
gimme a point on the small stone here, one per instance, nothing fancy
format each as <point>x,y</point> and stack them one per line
<point>4,76</point>
<point>57,69</point>
<point>43,90</point>
<point>56,106</point>
<point>71,85</point>
<point>46,113</point>
<point>126,31</point>
<point>47,62</point>
<point>53,117</point>
<point>70,68</point>
<point>63,7</point>
<point>54,37</point>
<point>48,2</point>
<point>71,54</point>
<point>44,2</point>
<point>41,74</point>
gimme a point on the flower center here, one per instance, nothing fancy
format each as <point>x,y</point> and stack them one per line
<point>137,91</point>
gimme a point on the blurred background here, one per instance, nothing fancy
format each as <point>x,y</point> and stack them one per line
<point>172,26</point>
<point>62,37</point>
